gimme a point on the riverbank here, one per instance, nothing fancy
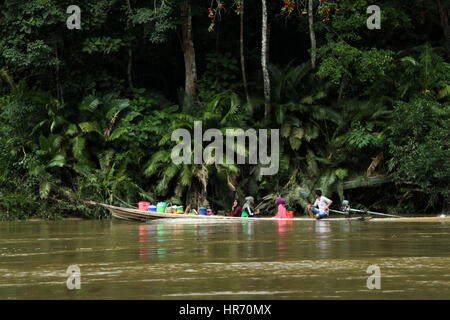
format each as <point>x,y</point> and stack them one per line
<point>62,218</point>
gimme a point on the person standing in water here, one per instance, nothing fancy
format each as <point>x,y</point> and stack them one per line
<point>321,206</point>
<point>281,208</point>
<point>247,209</point>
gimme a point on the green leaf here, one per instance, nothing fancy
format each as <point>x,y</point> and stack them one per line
<point>58,161</point>
<point>36,170</point>
<point>131,115</point>
<point>55,140</point>
<point>72,129</point>
<point>410,60</point>
<point>78,146</point>
<point>298,133</point>
<point>90,103</point>
<point>165,138</point>
<point>212,105</point>
<point>323,160</point>
<point>444,92</point>
<point>105,159</point>
<point>161,156</point>
<point>295,143</point>
<point>307,100</point>
<point>279,114</point>
<point>186,175</point>
<point>84,167</point>
<point>285,130</point>
<point>115,106</point>
<point>44,189</point>
<point>117,133</point>
<point>92,126</point>
<point>312,132</point>
<point>44,143</point>
<point>57,122</point>
<point>40,124</point>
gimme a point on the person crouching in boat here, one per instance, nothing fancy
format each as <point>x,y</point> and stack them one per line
<point>281,208</point>
<point>236,209</point>
<point>320,206</point>
<point>247,209</point>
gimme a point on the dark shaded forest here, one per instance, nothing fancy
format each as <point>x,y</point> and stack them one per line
<point>89,100</point>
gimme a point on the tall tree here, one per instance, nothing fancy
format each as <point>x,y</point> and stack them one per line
<point>264,59</point>
<point>188,49</point>
<point>312,34</point>
<point>444,11</point>
<point>130,55</point>
<point>241,43</point>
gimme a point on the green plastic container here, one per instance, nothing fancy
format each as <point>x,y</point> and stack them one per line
<point>161,207</point>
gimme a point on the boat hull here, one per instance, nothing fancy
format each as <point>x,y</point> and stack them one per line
<point>145,216</point>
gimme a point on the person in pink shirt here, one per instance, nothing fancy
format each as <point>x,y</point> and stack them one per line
<point>281,208</point>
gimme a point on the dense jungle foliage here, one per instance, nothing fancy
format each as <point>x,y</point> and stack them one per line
<point>87,114</point>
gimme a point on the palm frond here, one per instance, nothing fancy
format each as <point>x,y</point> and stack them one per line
<point>156,161</point>
<point>443,93</point>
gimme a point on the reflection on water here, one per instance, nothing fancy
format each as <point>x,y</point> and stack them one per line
<point>149,233</point>
<point>253,259</point>
<point>322,228</point>
<point>284,227</point>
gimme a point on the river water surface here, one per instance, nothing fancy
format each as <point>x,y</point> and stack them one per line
<point>180,259</point>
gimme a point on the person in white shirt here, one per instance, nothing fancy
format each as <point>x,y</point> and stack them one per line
<point>320,206</point>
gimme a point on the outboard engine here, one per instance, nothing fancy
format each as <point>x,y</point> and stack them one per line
<point>345,206</point>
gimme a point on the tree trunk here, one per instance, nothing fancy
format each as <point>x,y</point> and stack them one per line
<point>59,89</point>
<point>376,161</point>
<point>369,182</point>
<point>188,51</point>
<point>443,14</point>
<point>196,197</point>
<point>130,55</point>
<point>241,42</point>
<point>312,34</point>
<point>264,58</point>
<point>130,63</point>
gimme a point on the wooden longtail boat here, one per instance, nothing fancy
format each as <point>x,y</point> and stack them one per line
<point>145,216</point>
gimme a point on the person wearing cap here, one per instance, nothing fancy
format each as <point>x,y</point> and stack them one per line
<point>247,209</point>
<point>320,206</point>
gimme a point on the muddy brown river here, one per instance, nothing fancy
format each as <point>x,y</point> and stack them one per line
<point>224,260</point>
